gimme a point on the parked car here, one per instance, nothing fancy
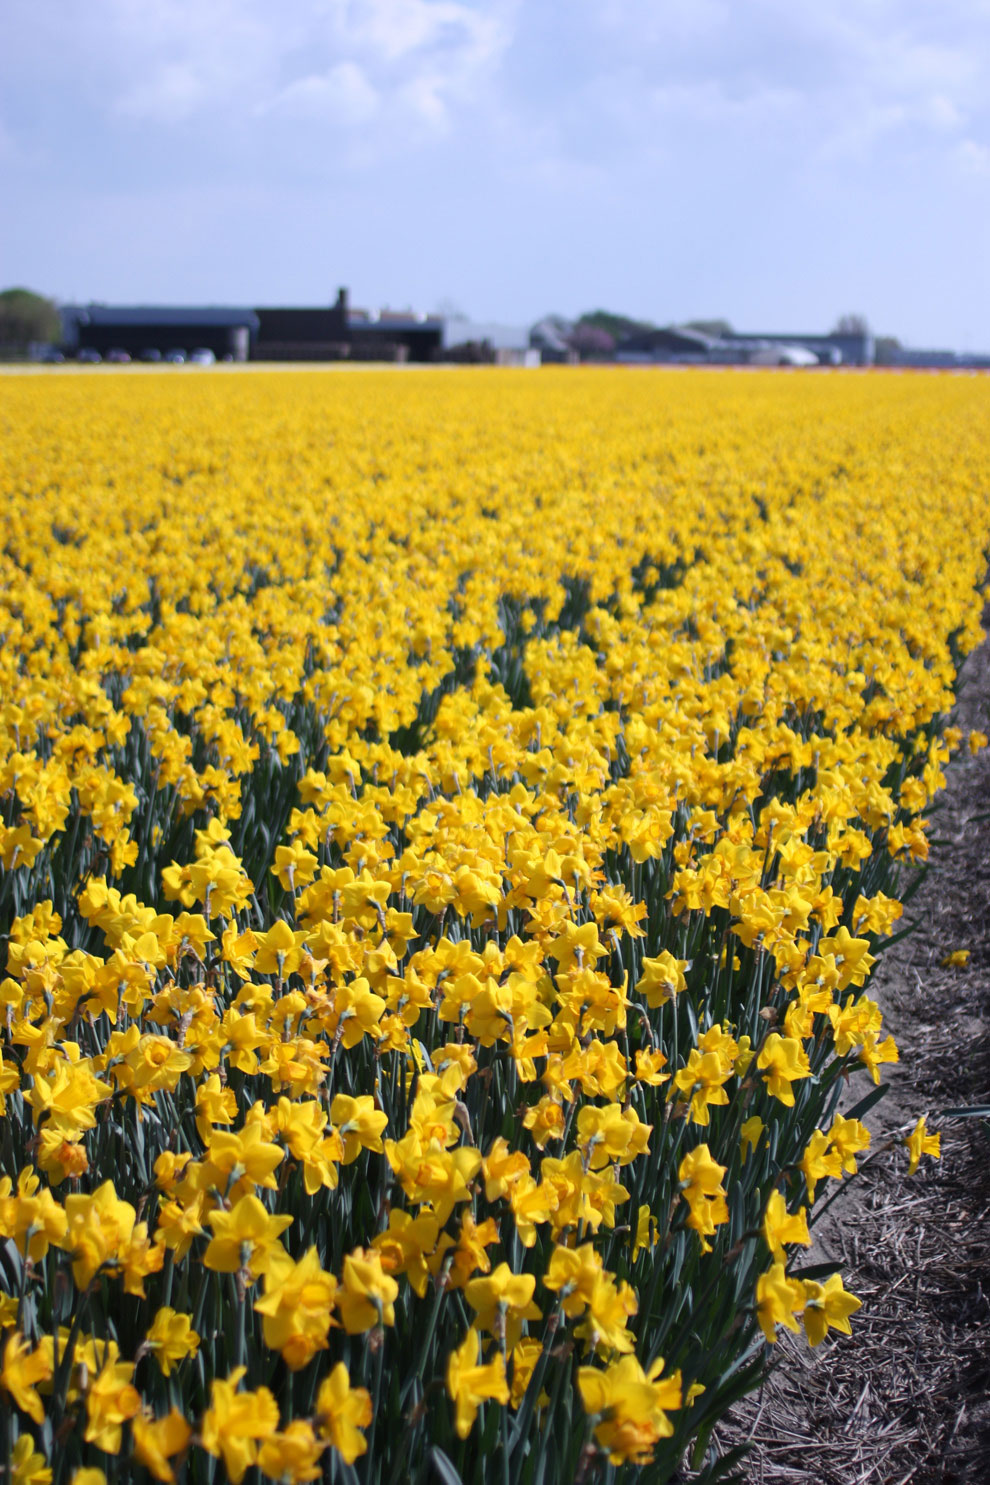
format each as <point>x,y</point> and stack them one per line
<point>52,357</point>
<point>117,357</point>
<point>175,358</point>
<point>88,356</point>
<point>151,354</point>
<point>202,357</point>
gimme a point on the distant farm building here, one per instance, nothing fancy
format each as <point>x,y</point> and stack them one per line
<point>855,348</point>
<point>337,333</point>
<point>549,339</point>
<point>332,332</point>
<point>394,335</point>
<point>486,341</point>
<point>677,344</point>
<point>293,334</point>
<point>684,345</point>
<point>922,360</point>
<point>228,333</point>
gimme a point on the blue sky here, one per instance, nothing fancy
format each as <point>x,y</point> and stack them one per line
<point>778,162</point>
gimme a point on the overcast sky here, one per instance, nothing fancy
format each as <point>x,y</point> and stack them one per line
<point>777,162</point>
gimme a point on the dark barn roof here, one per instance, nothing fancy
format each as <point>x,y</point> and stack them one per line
<point>163,315</point>
<point>137,328</point>
<point>674,340</point>
<point>277,332</point>
<point>289,323</point>
<point>421,338</point>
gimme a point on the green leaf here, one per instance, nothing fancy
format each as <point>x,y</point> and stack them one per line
<point>814,1271</point>
<point>909,892</point>
<point>442,1468</point>
<point>867,1101</point>
<point>719,1469</point>
<point>895,938</point>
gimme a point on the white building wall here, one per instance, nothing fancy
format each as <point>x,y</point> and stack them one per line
<point>458,331</point>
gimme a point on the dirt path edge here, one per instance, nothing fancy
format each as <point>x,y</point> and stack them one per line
<point>907,1398</point>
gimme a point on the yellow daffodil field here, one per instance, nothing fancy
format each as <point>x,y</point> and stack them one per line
<point>448,820</point>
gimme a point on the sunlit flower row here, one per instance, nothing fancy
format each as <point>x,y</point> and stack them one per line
<point>447,826</point>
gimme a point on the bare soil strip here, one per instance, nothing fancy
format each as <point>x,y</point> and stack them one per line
<point>908,1397</point>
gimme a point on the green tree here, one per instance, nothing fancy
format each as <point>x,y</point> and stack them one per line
<point>615,325</point>
<point>852,324</point>
<point>25,318</point>
<point>714,327</point>
<point>887,347</point>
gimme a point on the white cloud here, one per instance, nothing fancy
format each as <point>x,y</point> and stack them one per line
<point>972,158</point>
<point>397,72</point>
<point>342,93</point>
<point>394,29</point>
<point>426,96</point>
<point>941,113</point>
<point>164,62</point>
<point>857,135</point>
<point>170,93</point>
<point>689,21</point>
<point>711,102</point>
<point>854,73</point>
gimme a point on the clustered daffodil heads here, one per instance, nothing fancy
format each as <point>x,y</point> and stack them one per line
<point>157,1441</point>
<point>433,920</point>
<point>781,1227</point>
<point>701,1186</point>
<point>920,1143</point>
<point>29,1467</point>
<point>821,1306</point>
<point>342,1411</point>
<point>246,1237</point>
<point>631,1407</point>
<point>472,1382</point>
<point>235,1421</point>
<point>170,1338</point>
<point>834,1153</point>
<point>297,1306</point>
<point>22,1370</point>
